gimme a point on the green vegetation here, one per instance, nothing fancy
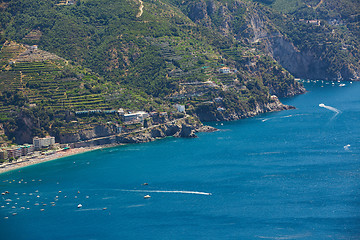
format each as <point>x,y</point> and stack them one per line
<point>328,29</point>
<point>107,57</point>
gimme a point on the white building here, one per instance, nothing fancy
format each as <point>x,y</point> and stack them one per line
<point>137,116</point>
<point>43,142</point>
<point>180,108</point>
<point>224,70</point>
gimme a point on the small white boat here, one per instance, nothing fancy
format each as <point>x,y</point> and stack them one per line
<point>341,85</point>
<point>79,206</point>
<point>147,196</point>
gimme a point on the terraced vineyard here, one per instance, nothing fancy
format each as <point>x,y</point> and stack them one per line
<point>50,84</point>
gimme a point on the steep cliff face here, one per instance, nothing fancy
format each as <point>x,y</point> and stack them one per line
<point>308,62</point>
<point>24,134</point>
<point>298,46</point>
<point>302,64</point>
<point>198,12</point>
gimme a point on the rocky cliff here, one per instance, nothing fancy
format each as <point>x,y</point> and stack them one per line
<point>98,131</point>
<point>302,64</point>
<point>102,134</point>
<point>308,62</point>
<point>185,128</point>
<point>298,46</point>
<point>212,115</point>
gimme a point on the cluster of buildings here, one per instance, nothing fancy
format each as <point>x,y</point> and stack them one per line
<point>14,152</point>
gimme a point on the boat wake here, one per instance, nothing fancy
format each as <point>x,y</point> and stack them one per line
<point>287,116</point>
<point>161,191</point>
<point>335,110</point>
<point>89,209</point>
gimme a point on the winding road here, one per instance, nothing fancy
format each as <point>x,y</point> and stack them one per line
<point>141,11</point>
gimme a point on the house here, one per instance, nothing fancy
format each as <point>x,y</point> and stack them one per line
<point>274,97</point>
<point>224,70</point>
<point>33,47</point>
<point>314,22</point>
<point>180,108</point>
<point>218,100</point>
<point>43,142</point>
<point>121,112</point>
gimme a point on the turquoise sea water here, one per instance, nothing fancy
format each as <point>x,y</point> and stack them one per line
<point>284,175</point>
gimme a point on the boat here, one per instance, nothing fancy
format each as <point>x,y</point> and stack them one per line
<point>79,205</point>
<point>342,85</point>
<point>147,196</point>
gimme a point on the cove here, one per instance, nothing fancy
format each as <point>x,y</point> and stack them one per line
<point>285,175</point>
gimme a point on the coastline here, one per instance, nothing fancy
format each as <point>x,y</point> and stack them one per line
<point>28,161</point>
<point>23,162</point>
<point>145,135</point>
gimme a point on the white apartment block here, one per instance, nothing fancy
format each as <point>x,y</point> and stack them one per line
<point>43,142</point>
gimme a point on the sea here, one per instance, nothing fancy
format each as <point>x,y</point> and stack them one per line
<point>285,175</point>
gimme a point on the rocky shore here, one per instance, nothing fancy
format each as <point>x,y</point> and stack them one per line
<point>274,106</point>
<point>186,127</point>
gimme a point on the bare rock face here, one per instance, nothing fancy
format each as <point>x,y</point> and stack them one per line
<point>157,133</point>
<point>97,132</point>
<point>23,134</point>
<point>186,131</point>
<point>214,115</point>
<point>300,63</point>
<point>171,129</point>
<point>198,13</point>
<point>135,138</point>
<point>185,128</point>
<point>206,128</point>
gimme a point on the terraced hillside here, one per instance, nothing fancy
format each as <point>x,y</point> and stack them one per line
<point>51,84</point>
<point>149,61</point>
<point>42,96</point>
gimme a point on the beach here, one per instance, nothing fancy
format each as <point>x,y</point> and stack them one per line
<point>39,158</point>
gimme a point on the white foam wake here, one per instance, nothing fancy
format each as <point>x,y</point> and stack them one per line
<point>161,191</point>
<point>347,147</point>
<point>287,116</point>
<point>337,111</point>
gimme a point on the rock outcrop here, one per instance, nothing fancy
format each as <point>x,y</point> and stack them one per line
<point>185,128</point>
<point>213,115</point>
<point>98,131</point>
<point>300,63</point>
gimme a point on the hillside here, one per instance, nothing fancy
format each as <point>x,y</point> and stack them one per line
<point>310,38</point>
<point>150,55</point>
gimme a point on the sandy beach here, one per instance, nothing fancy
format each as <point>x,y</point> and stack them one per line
<point>35,159</point>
